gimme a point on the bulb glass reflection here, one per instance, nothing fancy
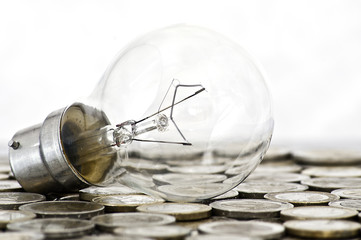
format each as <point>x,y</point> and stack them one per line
<point>180,101</point>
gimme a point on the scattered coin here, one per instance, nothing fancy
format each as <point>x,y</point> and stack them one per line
<point>249,208</point>
<point>264,230</point>
<point>13,200</point>
<point>8,216</point>
<point>112,237</point>
<point>330,184</point>
<point>157,232</point>
<point>303,197</point>
<point>144,165</point>
<point>277,153</point>
<point>278,168</point>
<point>125,203</point>
<point>351,193</point>
<point>327,157</point>
<point>318,212</point>
<point>4,176</point>
<point>233,193</point>
<point>87,194</point>
<point>193,192</point>
<point>182,178</point>
<point>200,169</point>
<point>347,203</point>
<point>340,172</point>
<point>64,209</point>
<point>21,236</point>
<point>322,229</point>
<point>199,161</point>
<point>277,177</point>
<point>55,227</point>
<point>257,189</point>
<point>10,186</point>
<point>221,237</point>
<point>5,168</point>
<point>181,211</point>
<point>109,222</point>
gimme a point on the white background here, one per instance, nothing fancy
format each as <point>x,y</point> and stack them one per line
<point>53,52</point>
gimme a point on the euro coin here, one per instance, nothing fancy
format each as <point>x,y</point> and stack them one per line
<point>303,197</point>
<point>10,186</point>
<point>330,184</point>
<point>350,193</point>
<point>13,200</point>
<point>87,194</point>
<point>327,157</point>
<point>8,216</point>
<point>156,232</point>
<point>347,203</point>
<point>318,212</point>
<point>341,172</point>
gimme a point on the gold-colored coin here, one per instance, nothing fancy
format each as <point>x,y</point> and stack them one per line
<point>181,211</point>
<point>318,212</point>
<point>322,229</point>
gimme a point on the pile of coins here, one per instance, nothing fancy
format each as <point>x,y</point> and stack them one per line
<point>291,195</point>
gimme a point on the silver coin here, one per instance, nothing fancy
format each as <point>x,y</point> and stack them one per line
<point>8,216</point>
<point>249,208</point>
<point>347,203</point>
<point>89,193</point>
<point>327,157</point>
<point>144,165</point>
<point>277,153</point>
<point>5,168</point>
<point>4,176</point>
<point>330,184</point>
<point>351,193</point>
<point>181,178</point>
<point>340,172</point>
<point>277,177</point>
<point>193,192</point>
<point>113,237</point>
<point>125,203</point>
<point>233,193</point>
<point>64,209</point>
<point>55,228</point>
<point>303,198</point>
<point>157,232</point>
<point>109,222</point>
<point>318,212</point>
<point>21,236</point>
<point>199,161</point>
<point>70,197</point>
<point>198,169</point>
<point>264,230</point>
<point>278,168</point>
<point>322,229</point>
<point>181,211</point>
<point>221,237</point>
<point>13,200</point>
<point>10,186</point>
<point>257,189</point>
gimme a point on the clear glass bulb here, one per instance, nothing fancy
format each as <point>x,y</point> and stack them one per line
<point>182,113</point>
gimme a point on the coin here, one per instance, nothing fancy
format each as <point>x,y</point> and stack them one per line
<point>347,203</point>
<point>330,184</point>
<point>21,236</point>
<point>181,178</point>
<point>157,232</point>
<point>181,211</point>
<point>144,165</point>
<point>13,200</point>
<point>109,222</point>
<point>8,216</point>
<point>10,186</point>
<point>278,168</point>
<point>113,237</point>
<point>199,161</point>
<point>334,229</point>
<point>277,153</point>
<point>196,223</point>
<point>333,172</point>
<point>257,189</point>
<point>264,230</point>
<point>4,176</point>
<point>70,197</point>
<point>351,193</point>
<point>303,198</point>
<point>276,177</point>
<point>233,193</point>
<point>5,168</point>
<point>221,237</point>
<point>198,169</point>
<point>318,212</point>
<point>125,203</point>
<point>55,227</point>
<point>249,208</point>
<point>64,209</point>
<point>327,157</point>
<point>89,193</point>
<point>193,192</point>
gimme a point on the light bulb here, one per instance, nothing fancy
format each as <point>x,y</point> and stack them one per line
<point>182,113</point>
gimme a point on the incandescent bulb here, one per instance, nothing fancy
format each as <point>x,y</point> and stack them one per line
<point>182,113</point>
